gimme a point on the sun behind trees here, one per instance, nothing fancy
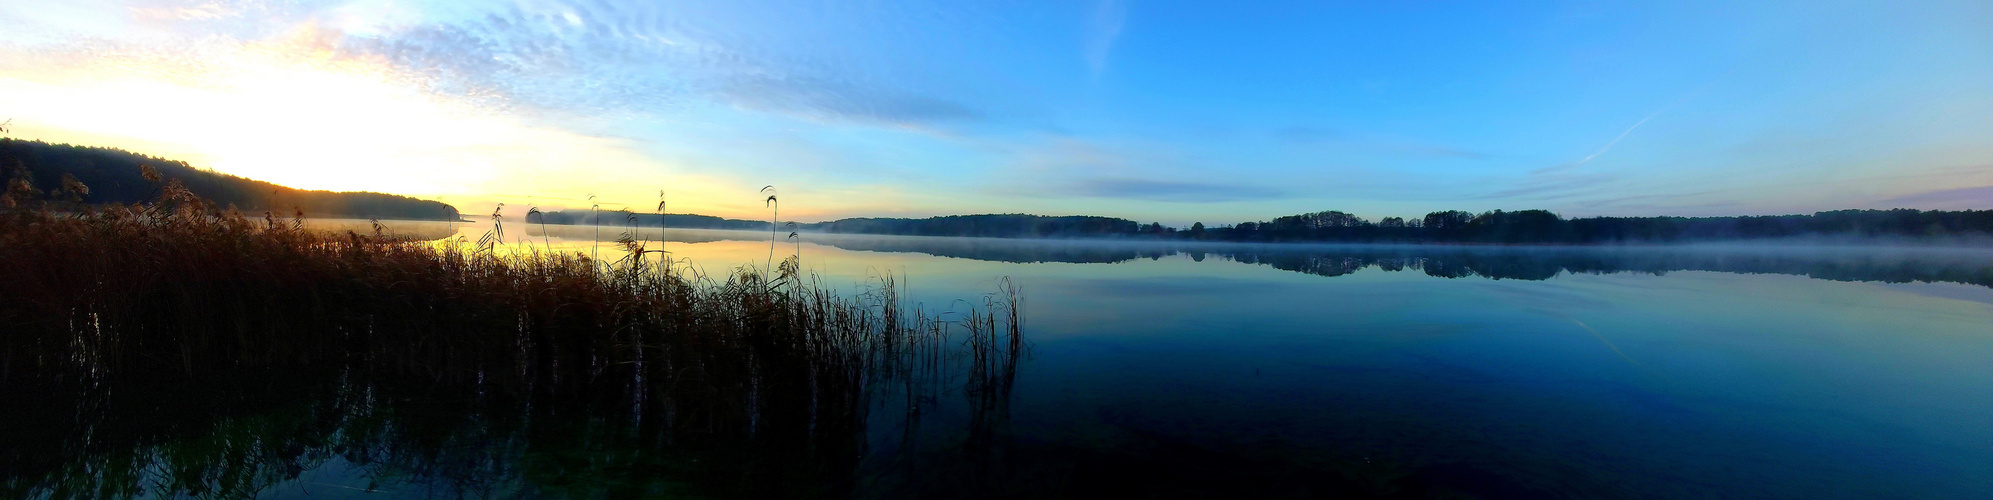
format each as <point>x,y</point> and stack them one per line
<point>113,176</point>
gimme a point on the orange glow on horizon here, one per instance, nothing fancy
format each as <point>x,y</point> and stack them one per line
<point>291,112</point>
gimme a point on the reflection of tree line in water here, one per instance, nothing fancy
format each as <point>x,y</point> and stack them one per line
<point>943,413</point>
<point>1853,264</point>
<point>1546,264</point>
<point>227,433</point>
<point>216,414</point>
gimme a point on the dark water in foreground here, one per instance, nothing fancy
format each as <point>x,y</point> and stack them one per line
<point>1229,369</point>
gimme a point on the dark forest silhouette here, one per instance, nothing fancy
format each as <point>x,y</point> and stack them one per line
<point>1451,226</point>
<point>1541,226</point>
<point>992,225</point>
<point>1454,226</point>
<point>625,217</point>
<point>113,176</point>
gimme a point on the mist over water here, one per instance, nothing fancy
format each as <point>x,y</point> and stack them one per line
<point>1838,260</point>
<point>1735,370</point>
<point>1153,369</point>
<point>1384,249</point>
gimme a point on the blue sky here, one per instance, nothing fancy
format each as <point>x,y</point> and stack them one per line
<point>1173,111</point>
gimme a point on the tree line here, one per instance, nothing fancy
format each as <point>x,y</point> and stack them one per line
<point>114,176</point>
<point>1545,227</point>
<point>610,218</point>
<point>1460,261</point>
<point>1452,226</point>
<point>1455,226</point>
<point>988,226</point>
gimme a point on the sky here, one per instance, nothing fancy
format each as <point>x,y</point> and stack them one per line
<point>1217,112</point>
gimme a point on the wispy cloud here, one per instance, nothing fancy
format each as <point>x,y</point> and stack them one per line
<point>1622,134</point>
<point>1555,187</point>
<point>1971,198</point>
<point>1561,182</point>
<point>614,56</point>
<point>1174,191</point>
<point>585,58</point>
<point>1103,29</point>
<point>1075,168</point>
<point>1309,135</point>
<point>835,100</point>
<point>621,57</point>
<point>1439,151</point>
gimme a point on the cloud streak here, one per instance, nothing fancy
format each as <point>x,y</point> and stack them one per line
<point>617,57</point>
<point>586,59</point>
<point>1103,29</point>
<point>1622,134</point>
<point>1971,198</point>
<point>1608,147</point>
<point>1304,135</point>
<point>834,100</point>
<point>1555,187</point>
<point>1171,191</point>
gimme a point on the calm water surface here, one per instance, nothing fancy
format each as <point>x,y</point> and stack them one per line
<point>1174,370</point>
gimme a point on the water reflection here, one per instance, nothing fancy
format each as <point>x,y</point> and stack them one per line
<point>1179,370</point>
<point>1887,264</point>
<point>326,427</point>
<point>1881,264</point>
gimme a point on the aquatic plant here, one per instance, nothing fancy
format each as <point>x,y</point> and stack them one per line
<point>148,301</point>
<point>774,214</point>
<point>595,219</point>
<point>489,242</point>
<point>660,220</point>
<point>545,239</point>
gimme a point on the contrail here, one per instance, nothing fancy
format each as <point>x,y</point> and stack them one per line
<point>1622,135</point>
<point>1608,344</point>
<point>1628,131</point>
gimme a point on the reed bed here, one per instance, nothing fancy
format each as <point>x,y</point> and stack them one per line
<point>110,311</point>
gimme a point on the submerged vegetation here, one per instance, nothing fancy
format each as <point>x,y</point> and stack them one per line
<point>175,348</point>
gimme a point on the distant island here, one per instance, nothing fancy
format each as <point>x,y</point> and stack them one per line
<point>113,176</point>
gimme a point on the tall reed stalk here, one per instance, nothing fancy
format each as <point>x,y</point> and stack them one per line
<point>166,298</point>
<point>774,214</point>
<point>595,219</point>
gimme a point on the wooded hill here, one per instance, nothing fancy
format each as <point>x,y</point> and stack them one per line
<point>113,176</point>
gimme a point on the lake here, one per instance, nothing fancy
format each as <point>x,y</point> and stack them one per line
<point>1188,370</point>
